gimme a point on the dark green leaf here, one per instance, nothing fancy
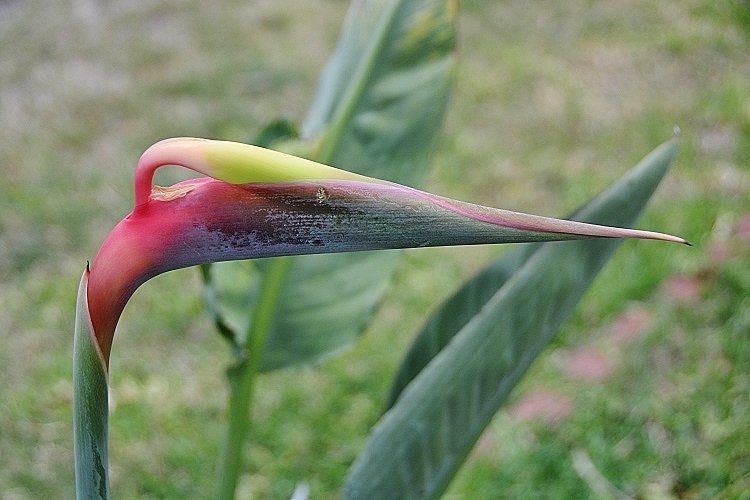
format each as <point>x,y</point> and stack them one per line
<point>419,444</point>
<point>322,307</point>
<point>383,94</point>
<point>229,296</point>
<point>276,131</point>
<point>378,111</point>
<point>454,314</point>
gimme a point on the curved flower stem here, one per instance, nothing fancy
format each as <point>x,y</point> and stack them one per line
<point>241,378</point>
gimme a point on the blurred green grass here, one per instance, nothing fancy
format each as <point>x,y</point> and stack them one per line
<point>553,101</point>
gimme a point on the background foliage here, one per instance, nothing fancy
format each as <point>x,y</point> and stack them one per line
<point>553,101</point>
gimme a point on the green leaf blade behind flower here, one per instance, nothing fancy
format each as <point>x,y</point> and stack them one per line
<point>383,93</point>
<point>468,359</point>
<point>322,307</point>
<point>378,111</point>
<point>293,341</point>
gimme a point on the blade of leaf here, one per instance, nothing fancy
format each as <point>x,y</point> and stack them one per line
<point>323,308</point>
<point>232,290</point>
<point>90,405</point>
<point>454,314</point>
<point>378,110</point>
<point>419,444</point>
<point>276,131</point>
<point>383,94</point>
<point>380,117</point>
<point>320,310</point>
<point>462,306</point>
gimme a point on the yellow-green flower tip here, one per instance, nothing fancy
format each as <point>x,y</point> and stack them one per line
<point>238,163</point>
<point>232,162</point>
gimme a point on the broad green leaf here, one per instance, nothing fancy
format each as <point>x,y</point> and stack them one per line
<point>90,406</point>
<point>276,131</point>
<point>320,310</point>
<point>230,294</point>
<point>378,110</point>
<point>460,308</point>
<point>421,441</point>
<point>454,314</point>
<point>383,94</point>
<point>323,307</point>
<point>318,332</point>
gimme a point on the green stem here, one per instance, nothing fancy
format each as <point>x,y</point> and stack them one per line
<point>241,378</point>
<point>90,405</point>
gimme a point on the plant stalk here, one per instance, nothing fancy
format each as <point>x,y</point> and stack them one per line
<point>241,377</point>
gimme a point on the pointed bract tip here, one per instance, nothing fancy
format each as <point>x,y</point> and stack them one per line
<point>651,235</point>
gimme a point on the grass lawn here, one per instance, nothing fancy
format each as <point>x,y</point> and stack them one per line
<point>646,391</point>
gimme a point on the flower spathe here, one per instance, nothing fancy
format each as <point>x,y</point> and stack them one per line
<point>262,203</point>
